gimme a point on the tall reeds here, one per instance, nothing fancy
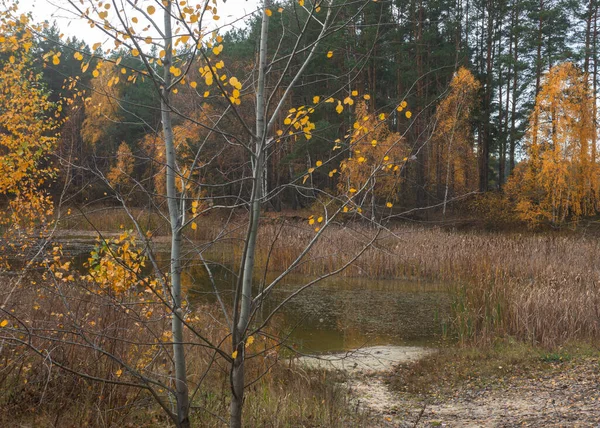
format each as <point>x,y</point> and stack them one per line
<point>542,288</point>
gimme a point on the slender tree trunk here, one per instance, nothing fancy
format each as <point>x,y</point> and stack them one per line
<point>484,153</point>
<point>510,71</point>
<point>513,113</point>
<point>594,84</point>
<point>419,125</point>
<point>181,386</point>
<point>501,114</point>
<point>538,73</point>
<point>239,329</point>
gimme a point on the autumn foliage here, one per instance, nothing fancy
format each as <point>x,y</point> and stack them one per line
<point>27,137</point>
<point>376,158</point>
<point>453,162</point>
<point>560,180</point>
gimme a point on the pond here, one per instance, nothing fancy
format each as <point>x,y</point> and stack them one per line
<point>337,314</point>
<point>341,313</point>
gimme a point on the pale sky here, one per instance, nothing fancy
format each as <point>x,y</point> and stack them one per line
<point>71,25</point>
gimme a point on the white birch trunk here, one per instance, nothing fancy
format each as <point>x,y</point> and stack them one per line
<point>175,219</point>
<point>237,374</point>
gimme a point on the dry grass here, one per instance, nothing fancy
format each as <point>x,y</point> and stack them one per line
<point>43,335</point>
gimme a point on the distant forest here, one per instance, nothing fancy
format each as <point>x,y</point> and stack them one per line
<point>465,75</point>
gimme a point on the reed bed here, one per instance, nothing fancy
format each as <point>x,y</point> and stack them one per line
<point>542,288</point>
<point>536,287</point>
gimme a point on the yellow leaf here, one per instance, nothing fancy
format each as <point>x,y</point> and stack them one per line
<point>268,12</point>
<point>151,10</point>
<point>319,163</point>
<point>311,221</point>
<point>389,205</point>
<point>311,170</point>
<point>320,220</point>
<point>339,108</point>
<point>408,114</point>
<point>96,46</point>
<point>95,73</point>
<point>194,226</point>
<point>135,52</point>
<point>329,54</point>
<point>3,323</point>
<point>55,60</point>
<point>250,340</point>
<point>354,93</point>
<point>382,116</point>
<point>234,354</point>
<point>193,84</point>
<point>316,99</point>
<point>119,373</point>
<point>367,97</point>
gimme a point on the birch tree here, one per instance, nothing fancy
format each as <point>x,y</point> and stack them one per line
<point>179,50</point>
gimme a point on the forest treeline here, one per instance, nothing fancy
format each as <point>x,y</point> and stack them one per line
<point>465,75</point>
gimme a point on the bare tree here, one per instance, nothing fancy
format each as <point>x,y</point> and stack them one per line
<point>181,49</point>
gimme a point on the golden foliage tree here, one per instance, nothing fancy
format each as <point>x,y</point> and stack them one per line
<point>120,173</point>
<point>376,158</point>
<point>102,105</point>
<point>453,162</point>
<point>27,136</point>
<point>560,181</point>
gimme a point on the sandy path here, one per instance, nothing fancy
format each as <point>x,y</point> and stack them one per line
<point>566,397</point>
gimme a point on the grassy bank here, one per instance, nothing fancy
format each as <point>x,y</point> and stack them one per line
<point>453,369</point>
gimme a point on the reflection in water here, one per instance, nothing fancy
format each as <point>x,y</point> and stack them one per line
<point>335,315</point>
<point>343,313</point>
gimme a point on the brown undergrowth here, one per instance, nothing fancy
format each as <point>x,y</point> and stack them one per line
<point>69,357</point>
